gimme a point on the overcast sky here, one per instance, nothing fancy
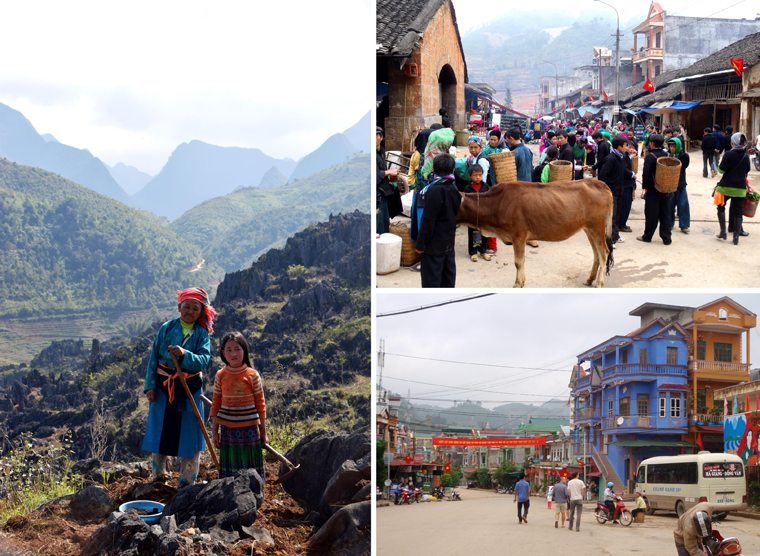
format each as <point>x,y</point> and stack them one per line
<point>538,331</point>
<point>130,81</point>
<point>471,13</point>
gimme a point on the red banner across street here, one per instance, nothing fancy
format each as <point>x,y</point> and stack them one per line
<point>489,441</point>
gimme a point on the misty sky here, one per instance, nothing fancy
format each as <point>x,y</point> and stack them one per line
<point>471,13</point>
<point>130,81</point>
<point>543,331</point>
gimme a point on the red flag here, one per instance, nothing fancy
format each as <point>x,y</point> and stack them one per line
<point>738,65</point>
<point>648,86</point>
<point>606,98</point>
<point>699,442</point>
<point>746,403</point>
<point>447,467</point>
<point>571,105</point>
<point>591,98</point>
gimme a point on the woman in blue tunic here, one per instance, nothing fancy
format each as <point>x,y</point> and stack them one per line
<point>172,428</point>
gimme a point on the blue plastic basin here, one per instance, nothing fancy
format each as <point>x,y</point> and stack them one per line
<point>145,505</point>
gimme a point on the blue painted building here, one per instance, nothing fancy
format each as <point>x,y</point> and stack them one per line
<point>630,398</point>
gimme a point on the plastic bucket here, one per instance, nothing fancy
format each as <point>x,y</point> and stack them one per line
<point>155,517</point>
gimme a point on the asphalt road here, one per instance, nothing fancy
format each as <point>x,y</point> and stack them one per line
<point>486,523</point>
<point>694,260</point>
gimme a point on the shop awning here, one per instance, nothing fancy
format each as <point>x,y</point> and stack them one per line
<point>667,107</point>
<point>594,474</point>
<point>697,76</point>
<point>644,443</point>
<point>583,110</point>
<point>710,428</point>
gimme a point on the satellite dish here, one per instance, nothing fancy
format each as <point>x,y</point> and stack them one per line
<point>620,420</point>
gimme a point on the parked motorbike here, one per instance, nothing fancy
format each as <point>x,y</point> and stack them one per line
<point>622,514</point>
<point>716,545</point>
<point>438,493</point>
<point>402,496</point>
<point>454,495</point>
<point>754,156</point>
<point>416,495</point>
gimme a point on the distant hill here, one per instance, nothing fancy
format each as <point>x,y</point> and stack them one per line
<point>129,178</point>
<point>336,150</point>
<point>20,142</point>
<point>233,230</point>
<point>49,137</point>
<point>360,134</point>
<point>507,52</point>
<point>66,249</point>
<point>273,178</point>
<point>197,171</point>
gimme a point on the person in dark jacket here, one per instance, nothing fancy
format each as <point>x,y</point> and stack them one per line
<point>629,186</point>
<point>435,240</point>
<point>541,172</point>
<point>727,139</point>
<point>602,150</point>
<point>477,244</point>
<point>566,151</point>
<point>680,200</point>
<point>384,191</point>
<point>708,152</point>
<point>611,173</point>
<point>523,155</point>
<point>656,204</point>
<point>733,185</point>
<point>444,117</point>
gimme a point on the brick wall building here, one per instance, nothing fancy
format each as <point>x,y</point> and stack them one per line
<point>420,66</point>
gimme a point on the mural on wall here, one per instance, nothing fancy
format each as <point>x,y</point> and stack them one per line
<point>740,436</point>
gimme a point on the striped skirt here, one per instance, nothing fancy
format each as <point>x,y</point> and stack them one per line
<point>239,449</point>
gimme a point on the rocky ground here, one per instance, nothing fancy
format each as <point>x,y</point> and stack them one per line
<point>323,508</point>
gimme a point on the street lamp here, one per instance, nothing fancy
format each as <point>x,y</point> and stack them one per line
<point>556,86</point>
<point>616,108</point>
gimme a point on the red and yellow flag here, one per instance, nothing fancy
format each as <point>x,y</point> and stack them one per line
<point>447,468</point>
<point>606,98</point>
<point>591,98</point>
<point>738,65</point>
<point>648,86</point>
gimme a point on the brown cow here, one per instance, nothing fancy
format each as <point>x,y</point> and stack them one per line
<point>520,211</point>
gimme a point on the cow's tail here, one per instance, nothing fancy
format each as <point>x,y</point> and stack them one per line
<point>608,238</point>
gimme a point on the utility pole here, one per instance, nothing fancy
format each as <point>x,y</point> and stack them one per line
<point>616,108</point>
<point>380,363</point>
<point>556,85</point>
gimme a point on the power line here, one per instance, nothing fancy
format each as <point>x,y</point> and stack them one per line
<point>493,365</point>
<point>433,305</point>
<point>462,388</point>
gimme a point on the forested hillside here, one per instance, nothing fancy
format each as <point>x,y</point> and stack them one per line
<point>66,249</point>
<point>233,230</point>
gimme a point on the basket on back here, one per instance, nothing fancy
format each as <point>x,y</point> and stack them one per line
<point>409,256</point>
<point>667,174</point>
<point>635,163</point>
<point>560,170</point>
<point>504,166</point>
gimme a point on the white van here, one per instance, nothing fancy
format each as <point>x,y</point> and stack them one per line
<point>676,483</point>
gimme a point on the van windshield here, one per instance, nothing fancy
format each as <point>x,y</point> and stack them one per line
<point>722,470</point>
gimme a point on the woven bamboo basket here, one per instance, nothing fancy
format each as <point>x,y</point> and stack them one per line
<point>667,174</point>
<point>504,166</point>
<point>560,170</point>
<point>462,137</point>
<point>635,164</point>
<point>408,255</point>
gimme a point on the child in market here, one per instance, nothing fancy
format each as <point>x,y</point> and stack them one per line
<point>476,243</point>
<point>541,172</point>
<point>238,410</point>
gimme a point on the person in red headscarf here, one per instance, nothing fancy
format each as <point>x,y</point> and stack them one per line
<point>172,428</point>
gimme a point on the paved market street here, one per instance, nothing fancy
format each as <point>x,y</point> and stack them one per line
<point>696,260</point>
<point>485,523</point>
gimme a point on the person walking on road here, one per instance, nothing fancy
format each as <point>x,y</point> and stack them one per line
<point>733,185</point>
<point>561,498</point>
<point>522,497</point>
<point>693,526</point>
<point>656,204</point>
<point>577,490</point>
<point>708,153</point>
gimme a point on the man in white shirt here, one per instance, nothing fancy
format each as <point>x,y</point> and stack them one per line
<point>577,490</point>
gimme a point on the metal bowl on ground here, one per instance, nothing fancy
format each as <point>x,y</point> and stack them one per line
<point>157,508</point>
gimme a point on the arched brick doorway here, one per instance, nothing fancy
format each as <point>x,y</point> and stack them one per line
<point>447,92</point>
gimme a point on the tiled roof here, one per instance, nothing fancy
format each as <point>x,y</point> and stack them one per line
<point>398,23</point>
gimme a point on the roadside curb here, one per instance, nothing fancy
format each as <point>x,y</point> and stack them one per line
<point>748,515</point>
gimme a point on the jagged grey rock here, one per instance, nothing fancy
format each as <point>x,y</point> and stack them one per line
<point>362,494</point>
<point>91,502</point>
<point>123,533</point>
<point>342,533</point>
<point>342,484</point>
<point>168,524</point>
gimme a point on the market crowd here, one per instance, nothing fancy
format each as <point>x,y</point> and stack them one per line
<point>594,148</point>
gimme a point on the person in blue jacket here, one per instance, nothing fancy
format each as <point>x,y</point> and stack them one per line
<point>172,428</point>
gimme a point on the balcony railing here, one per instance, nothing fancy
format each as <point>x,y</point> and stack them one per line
<point>587,413</point>
<point>725,90</point>
<point>645,369</point>
<point>706,418</point>
<point>583,449</point>
<point>628,422</point>
<point>648,53</point>
<point>719,366</point>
